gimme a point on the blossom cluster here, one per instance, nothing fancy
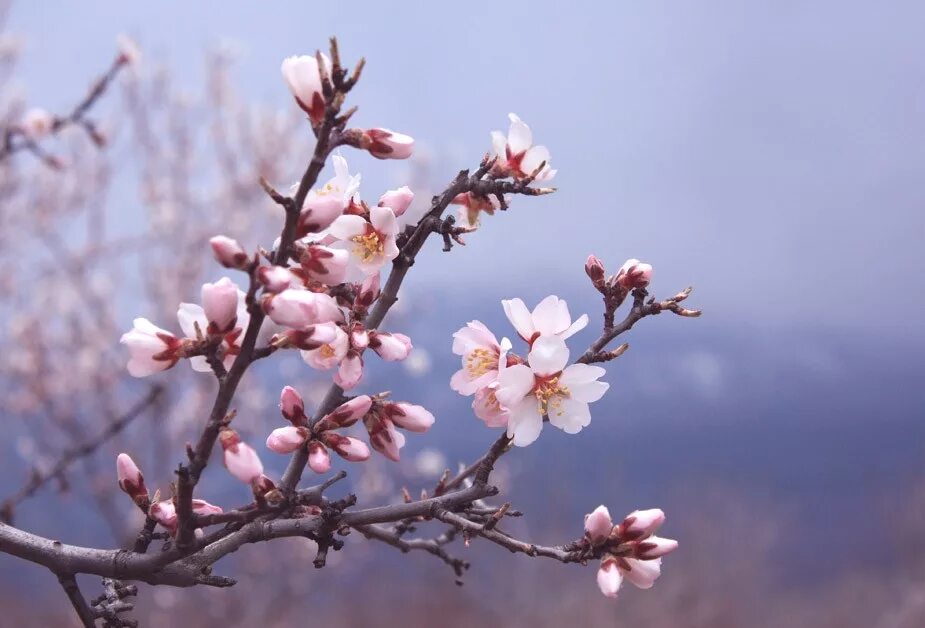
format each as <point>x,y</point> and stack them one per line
<point>519,393</point>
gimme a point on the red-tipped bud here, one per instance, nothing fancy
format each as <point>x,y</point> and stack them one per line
<point>642,522</point>
<point>385,438</point>
<point>350,371</point>
<point>595,271</point>
<point>634,274</point>
<point>368,293</point>
<point>240,458</point>
<point>229,253</point>
<point>346,414</point>
<point>655,547</point>
<point>319,460</point>
<point>292,406</point>
<point>285,440</point>
<point>387,144</point>
<point>390,347</point>
<point>609,577</point>
<point>350,449</point>
<point>408,416</point>
<point>131,481</point>
<point>220,304</point>
<point>274,278</point>
<point>598,525</point>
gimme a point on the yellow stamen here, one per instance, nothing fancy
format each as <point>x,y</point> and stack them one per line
<point>481,361</point>
<point>368,246</point>
<point>550,394</point>
<point>327,351</point>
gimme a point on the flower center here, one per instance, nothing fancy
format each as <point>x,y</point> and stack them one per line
<point>549,395</point>
<point>326,351</point>
<point>368,246</point>
<point>481,361</point>
<point>328,189</point>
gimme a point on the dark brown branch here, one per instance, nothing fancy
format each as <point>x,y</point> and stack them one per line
<point>84,612</point>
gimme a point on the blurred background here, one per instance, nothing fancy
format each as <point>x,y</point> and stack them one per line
<point>769,154</point>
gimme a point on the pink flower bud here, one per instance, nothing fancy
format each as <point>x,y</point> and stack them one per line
<point>285,440</point>
<point>598,525</point>
<point>220,304</point>
<point>385,438</point>
<point>350,371</point>
<point>348,448</point>
<point>359,337</point>
<point>346,414</point>
<point>274,278</point>
<point>165,513</point>
<point>655,547</point>
<point>310,338</point>
<point>37,123</point>
<point>390,347</point>
<point>262,485</point>
<point>325,264</point>
<point>368,293</point>
<point>609,578</point>
<point>240,458</point>
<point>409,416</point>
<point>151,349</point>
<point>228,252</point>
<point>292,406</point>
<point>387,144</point>
<point>131,481</point>
<point>643,522</point>
<point>303,78</point>
<point>300,308</point>
<point>634,274</point>
<point>318,459</point>
<point>202,507</point>
<point>398,200</point>
<point>595,271</point>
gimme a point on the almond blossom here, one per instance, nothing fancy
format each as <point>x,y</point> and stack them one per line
<point>303,77</point>
<point>545,387</point>
<point>549,318</point>
<point>240,458</point>
<point>487,407</point>
<point>195,320</point>
<point>131,481</point>
<point>151,349</point>
<point>229,253</point>
<point>387,144</point>
<point>390,347</point>
<point>482,357</point>
<point>397,200</point>
<point>324,264</point>
<point>323,205</point>
<point>329,354</point>
<point>299,309</point>
<point>516,153</point>
<point>371,243</point>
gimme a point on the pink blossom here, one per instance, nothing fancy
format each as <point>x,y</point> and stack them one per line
<point>359,337</point>
<point>37,123</point>
<point>348,448</point>
<point>292,406</point>
<point>329,353</point>
<point>346,414</point>
<point>220,305</point>
<point>486,406</point>
<point>303,77</point>
<point>655,547</point>
<point>516,153</point>
<point>193,322</point>
<point>350,371</point>
<point>482,356</point>
<point>324,264</point>
<point>643,522</point>
<point>388,144</point>
<point>151,349</point>
<point>240,458</point>
<point>546,387</point>
<point>390,347</point>
<point>368,293</point>
<point>228,252</point>
<point>274,278</point>
<point>324,205</point>
<point>634,274</point>
<point>307,339</point>
<point>202,507</point>
<point>165,513</point>
<point>409,416</point>
<point>319,460</point>
<point>385,438</point>
<point>285,440</point>
<point>131,481</point>
<point>598,525</point>
<point>549,318</point>
<point>609,577</point>
<point>397,200</point>
<point>370,244</point>
<point>300,308</point>
<point>642,573</point>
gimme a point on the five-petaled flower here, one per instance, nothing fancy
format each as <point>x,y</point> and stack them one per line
<point>371,243</point>
<point>482,357</point>
<point>516,154</point>
<point>323,205</point>
<point>550,318</point>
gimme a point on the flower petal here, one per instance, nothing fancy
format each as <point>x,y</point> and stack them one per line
<point>548,355</point>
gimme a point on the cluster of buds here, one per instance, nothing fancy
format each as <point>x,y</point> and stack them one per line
<point>629,550</point>
<point>380,417</point>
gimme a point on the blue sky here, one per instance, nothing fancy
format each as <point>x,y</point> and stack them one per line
<point>771,154</point>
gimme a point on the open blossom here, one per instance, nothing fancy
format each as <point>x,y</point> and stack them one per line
<point>547,387</point>
<point>324,264</point>
<point>240,458</point>
<point>634,274</point>
<point>517,156</point>
<point>482,356</point>
<point>323,205</point>
<point>371,244</point>
<point>487,407</point>
<point>328,354</point>
<point>151,349</point>
<point>549,318</point>
<point>36,123</point>
<point>303,77</point>
<point>298,308</point>
<point>387,144</point>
